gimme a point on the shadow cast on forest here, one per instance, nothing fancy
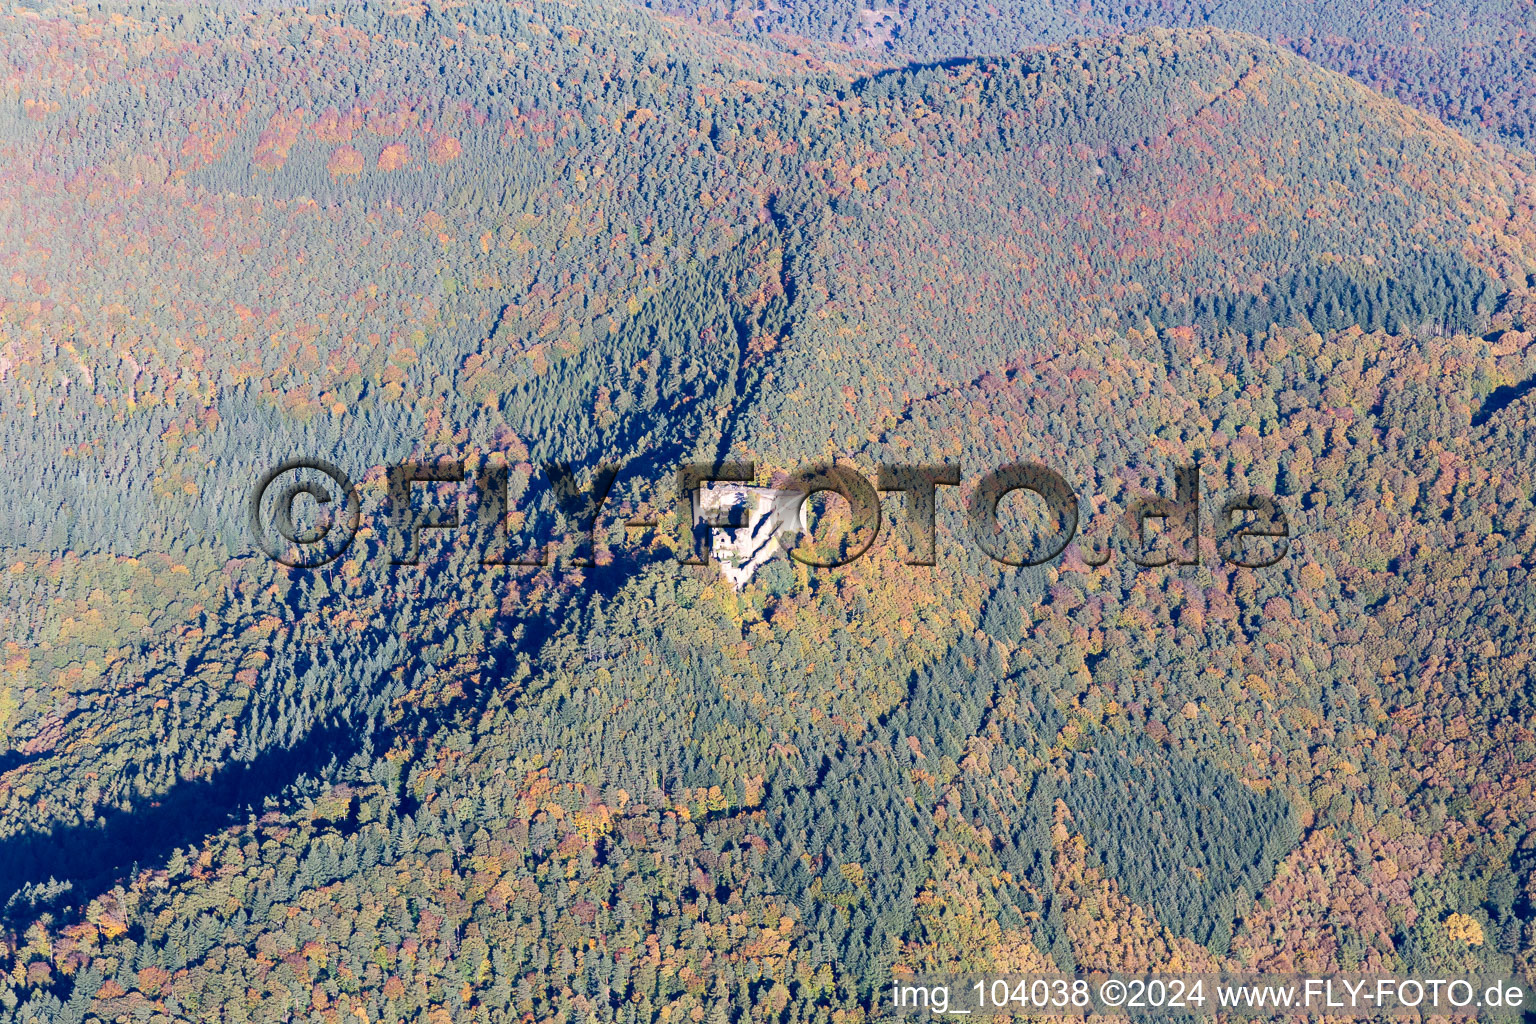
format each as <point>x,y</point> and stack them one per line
<point>61,870</point>
<point>1501,398</point>
<point>90,857</point>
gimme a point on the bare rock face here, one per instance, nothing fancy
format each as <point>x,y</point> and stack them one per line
<point>748,525</point>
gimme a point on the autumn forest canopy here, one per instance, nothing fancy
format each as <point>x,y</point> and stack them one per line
<point>1294,247</point>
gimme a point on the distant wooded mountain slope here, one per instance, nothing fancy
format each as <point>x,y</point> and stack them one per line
<point>1466,62</point>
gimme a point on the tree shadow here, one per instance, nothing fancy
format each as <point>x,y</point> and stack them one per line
<point>1501,398</point>
<point>59,871</point>
<point>78,861</point>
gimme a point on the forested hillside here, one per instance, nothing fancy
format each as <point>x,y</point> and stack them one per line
<point>1467,63</point>
<point>614,787</point>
